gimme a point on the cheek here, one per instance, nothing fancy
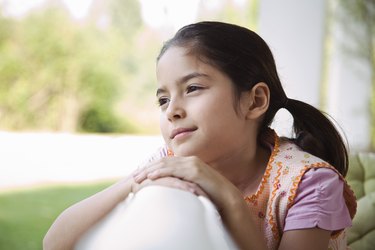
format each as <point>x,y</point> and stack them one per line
<point>164,127</point>
<point>221,108</point>
<point>223,116</point>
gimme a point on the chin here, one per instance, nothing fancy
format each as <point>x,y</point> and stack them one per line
<point>184,151</point>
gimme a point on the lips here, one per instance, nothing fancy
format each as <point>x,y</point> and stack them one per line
<point>178,131</point>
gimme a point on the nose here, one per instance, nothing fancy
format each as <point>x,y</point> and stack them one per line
<point>175,110</point>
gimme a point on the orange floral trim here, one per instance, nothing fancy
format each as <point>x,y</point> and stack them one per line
<point>273,195</point>
<point>296,181</point>
<point>253,198</point>
<point>170,152</point>
<point>350,195</point>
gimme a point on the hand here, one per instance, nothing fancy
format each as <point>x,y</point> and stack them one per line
<point>170,182</point>
<point>226,196</point>
<point>191,169</point>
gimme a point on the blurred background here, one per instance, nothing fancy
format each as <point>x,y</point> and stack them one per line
<point>77,88</point>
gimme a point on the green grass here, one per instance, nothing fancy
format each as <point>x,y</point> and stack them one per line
<point>26,215</point>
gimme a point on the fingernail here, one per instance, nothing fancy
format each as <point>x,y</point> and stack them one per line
<point>137,178</point>
<point>192,190</point>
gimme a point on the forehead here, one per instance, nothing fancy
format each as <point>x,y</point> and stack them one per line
<point>177,62</point>
<point>176,57</point>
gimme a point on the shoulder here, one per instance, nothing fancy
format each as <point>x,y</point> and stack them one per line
<point>301,173</point>
<point>289,152</point>
<point>319,202</point>
<point>325,182</point>
<point>286,153</point>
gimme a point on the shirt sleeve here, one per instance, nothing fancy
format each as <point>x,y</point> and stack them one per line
<point>319,202</point>
<point>160,153</point>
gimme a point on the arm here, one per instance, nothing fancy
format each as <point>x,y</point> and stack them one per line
<point>227,198</point>
<point>306,239</point>
<point>236,216</point>
<point>77,219</point>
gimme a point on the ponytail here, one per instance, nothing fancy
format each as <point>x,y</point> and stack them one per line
<point>316,134</point>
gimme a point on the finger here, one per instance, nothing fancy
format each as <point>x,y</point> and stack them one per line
<point>139,178</point>
<point>186,186</point>
<point>156,173</point>
<point>197,189</point>
<point>135,187</point>
<point>141,174</point>
<point>168,182</point>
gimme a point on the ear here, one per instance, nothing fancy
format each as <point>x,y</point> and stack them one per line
<point>258,101</point>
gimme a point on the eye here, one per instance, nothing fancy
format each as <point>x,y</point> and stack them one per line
<point>192,88</point>
<point>162,101</point>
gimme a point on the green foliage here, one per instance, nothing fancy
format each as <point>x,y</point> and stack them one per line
<point>244,14</point>
<point>101,120</point>
<point>91,75</point>
<point>26,215</point>
<point>56,73</point>
<point>125,16</point>
<point>358,18</point>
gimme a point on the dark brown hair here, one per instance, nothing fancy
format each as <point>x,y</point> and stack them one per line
<point>247,60</point>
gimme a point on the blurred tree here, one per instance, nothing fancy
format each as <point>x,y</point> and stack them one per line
<point>55,73</point>
<point>243,13</point>
<point>358,19</point>
<point>136,52</point>
<point>95,75</point>
<point>125,15</point>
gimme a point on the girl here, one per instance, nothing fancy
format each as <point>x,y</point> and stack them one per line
<point>218,91</point>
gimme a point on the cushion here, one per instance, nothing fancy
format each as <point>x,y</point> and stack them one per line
<point>361,177</point>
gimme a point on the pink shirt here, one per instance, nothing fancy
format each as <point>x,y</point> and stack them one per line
<point>319,203</point>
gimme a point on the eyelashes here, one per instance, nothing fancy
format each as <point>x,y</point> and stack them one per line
<point>189,89</point>
<point>192,88</point>
<point>161,101</point>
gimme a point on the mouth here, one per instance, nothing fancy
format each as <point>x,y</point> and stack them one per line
<point>181,131</point>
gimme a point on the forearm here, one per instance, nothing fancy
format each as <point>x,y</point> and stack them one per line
<point>77,219</point>
<point>237,219</point>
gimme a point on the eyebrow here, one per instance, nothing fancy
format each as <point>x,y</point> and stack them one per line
<point>183,80</point>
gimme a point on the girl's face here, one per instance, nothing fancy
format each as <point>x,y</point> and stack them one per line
<point>198,115</point>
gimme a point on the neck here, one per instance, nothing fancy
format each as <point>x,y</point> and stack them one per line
<point>244,168</point>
